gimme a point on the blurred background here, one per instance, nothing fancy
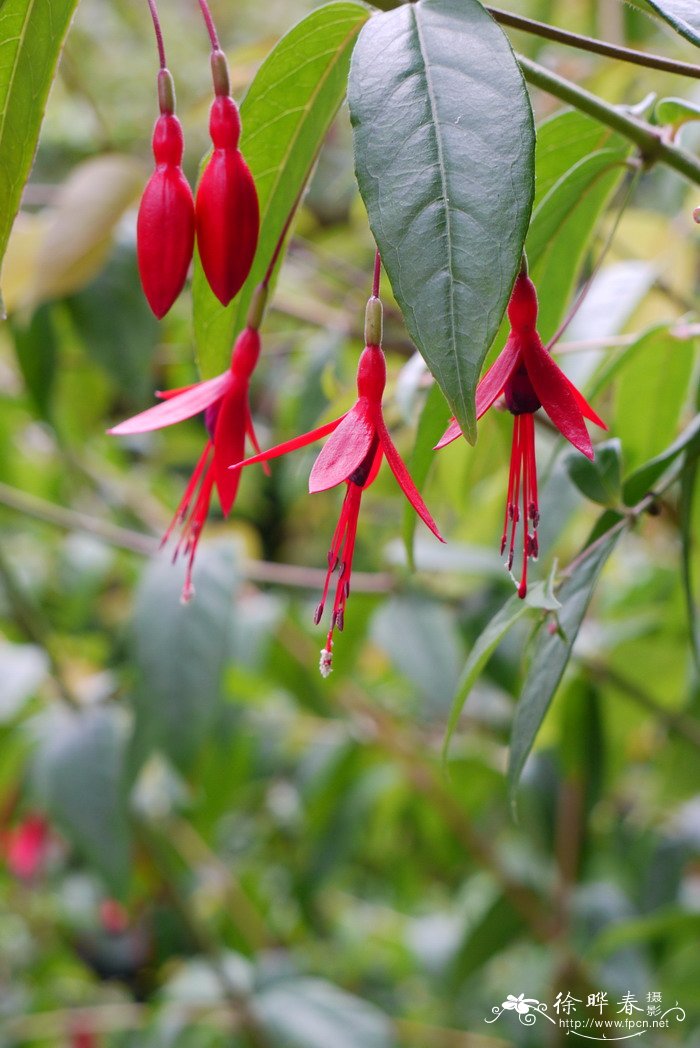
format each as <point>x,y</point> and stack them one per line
<point>203,843</point>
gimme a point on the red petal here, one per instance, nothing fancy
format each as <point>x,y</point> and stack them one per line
<point>229,444</point>
<point>180,407</point>
<point>345,450</point>
<point>552,388</point>
<point>493,382</point>
<point>398,468</point>
<point>586,409</point>
<point>290,445</point>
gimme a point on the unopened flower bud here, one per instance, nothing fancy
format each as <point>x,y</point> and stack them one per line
<point>165,226</point>
<point>227,210</point>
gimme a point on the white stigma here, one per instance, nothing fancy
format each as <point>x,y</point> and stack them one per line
<point>325,662</point>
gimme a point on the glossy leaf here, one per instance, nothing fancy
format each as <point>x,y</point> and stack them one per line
<point>79,776</point>
<point>285,115</point>
<point>444,153</point>
<point>538,597</point>
<point>642,480</point>
<point>31,37</point>
<point>683,15</point>
<point>180,651</point>
<point>552,652</point>
<point>599,479</point>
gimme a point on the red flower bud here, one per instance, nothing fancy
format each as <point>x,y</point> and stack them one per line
<point>165,227</point>
<point>228,216</point>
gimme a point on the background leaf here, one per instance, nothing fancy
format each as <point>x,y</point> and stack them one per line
<point>31,37</point>
<point>312,1013</point>
<point>552,653</point>
<point>181,650</point>
<point>599,479</point>
<point>285,115</point>
<point>79,777</point>
<point>444,155</point>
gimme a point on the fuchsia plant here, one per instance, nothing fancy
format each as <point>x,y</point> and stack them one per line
<point>526,375</point>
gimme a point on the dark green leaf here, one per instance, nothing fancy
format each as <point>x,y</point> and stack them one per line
<point>600,479</point>
<point>312,1013</point>
<point>285,115</point>
<point>538,597</point>
<point>431,426</point>
<point>181,650</point>
<point>79,776</point>
<point>444,152</point>
<point>642,480</point>
<point>31,37</point>
<point>552,653</point>
<point>683,15</point>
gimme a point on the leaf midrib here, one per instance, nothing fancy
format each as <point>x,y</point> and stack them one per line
<point>443,182</point>
<point>15,66</point>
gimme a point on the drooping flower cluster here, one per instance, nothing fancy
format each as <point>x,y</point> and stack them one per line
<point>525,374</point>
<point>225,216</point>
<point>224,220</point>
<point>224,403</point>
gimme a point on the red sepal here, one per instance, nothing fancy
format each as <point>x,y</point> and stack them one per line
<point>345,450</point>
<point>176,408</point>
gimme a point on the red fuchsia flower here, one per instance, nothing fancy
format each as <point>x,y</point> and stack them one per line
<point>165,225</point>
<point>27,847</point>
<point>227,211</point>
<point>352,456</point>
<point>526,375</point>
<point>224,400</point>
<point>83,1036</point>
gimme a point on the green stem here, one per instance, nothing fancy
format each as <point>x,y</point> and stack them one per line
<point>649,140</point>
<point>589,43</point>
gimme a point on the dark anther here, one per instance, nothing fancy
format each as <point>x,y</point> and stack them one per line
<point>318,613</point>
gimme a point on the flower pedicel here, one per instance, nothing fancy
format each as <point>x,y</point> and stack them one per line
<point>526,375</point>
<point>352,456</point>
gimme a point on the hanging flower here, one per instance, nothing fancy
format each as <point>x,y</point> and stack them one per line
<point>165,225</point>
<point>352,455</point>
<point>526,375</point>
<point>227,417</point>
<point>227,210</point>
